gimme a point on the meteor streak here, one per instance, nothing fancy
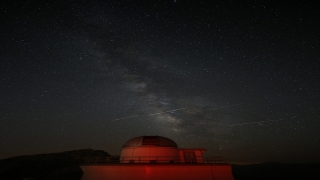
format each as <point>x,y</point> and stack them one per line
<point>213,109</point>
<point>166,111</point>
<point>125,118</point>
<point>148,114</point>
<point>241,124</point>
<point>153,114</point>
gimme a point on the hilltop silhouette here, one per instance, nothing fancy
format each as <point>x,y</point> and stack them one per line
<point>63,165</point>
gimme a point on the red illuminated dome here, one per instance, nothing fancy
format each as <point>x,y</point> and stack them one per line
<point>142,141</point>
<point>148,149</point>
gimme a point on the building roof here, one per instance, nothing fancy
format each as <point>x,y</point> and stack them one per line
<point>141,141</point>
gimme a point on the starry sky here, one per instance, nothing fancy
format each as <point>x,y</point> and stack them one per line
<point>239,78</point>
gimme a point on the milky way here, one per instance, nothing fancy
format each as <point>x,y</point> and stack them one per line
<point>240,79</point>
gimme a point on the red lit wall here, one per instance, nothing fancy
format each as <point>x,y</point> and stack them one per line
<point>157,172</point>
<point>196,152</point>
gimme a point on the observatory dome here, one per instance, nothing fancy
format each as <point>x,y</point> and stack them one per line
<point>141,141</point>
<point>146,149</point>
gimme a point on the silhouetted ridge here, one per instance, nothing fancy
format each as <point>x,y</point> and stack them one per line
<point>63,165</point>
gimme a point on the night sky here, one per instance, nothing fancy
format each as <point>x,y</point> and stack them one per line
<point>239,78</point>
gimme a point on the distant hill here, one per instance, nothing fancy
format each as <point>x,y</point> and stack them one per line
<point>275,171</point>
<point>63,165</point>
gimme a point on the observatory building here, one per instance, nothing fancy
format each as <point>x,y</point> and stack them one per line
<point>155,158</point>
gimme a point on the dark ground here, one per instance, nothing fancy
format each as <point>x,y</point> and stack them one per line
<point>66,165</point>
<point>273,170</point>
